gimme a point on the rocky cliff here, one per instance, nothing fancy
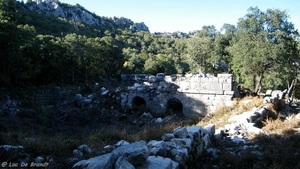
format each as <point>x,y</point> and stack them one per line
<point>78,13</point>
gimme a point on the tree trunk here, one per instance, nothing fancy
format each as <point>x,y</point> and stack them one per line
<point>73,69</point>
<point>291,89</point>
<point>258,83</point>
<point>81,54</point>
<point>199,69</point>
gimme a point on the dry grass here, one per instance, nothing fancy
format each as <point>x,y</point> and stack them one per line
<point>280,151</point>
<point>222,114</point>
<point>57,146</point>
<point>281,127</point>
<point>219,117</point>
<point>111,135</point>
<point>60,146</point>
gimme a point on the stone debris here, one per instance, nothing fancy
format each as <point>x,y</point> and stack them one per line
<point>172,151</point>
<point>175,149</point>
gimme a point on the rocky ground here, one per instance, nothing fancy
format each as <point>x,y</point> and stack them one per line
<point>30,113</point>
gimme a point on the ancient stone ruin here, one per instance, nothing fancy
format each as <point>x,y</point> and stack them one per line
<point>172,152</point>
<point>193,95</point>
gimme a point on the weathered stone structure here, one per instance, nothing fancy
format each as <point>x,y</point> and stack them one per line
<point>193,95</point>
<point>172,152</point>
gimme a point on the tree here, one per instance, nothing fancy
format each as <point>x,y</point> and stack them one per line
<point>103,56</point>
<point>134,63</point>
<point>263,48</point>
<point>7,28</point>
<point>199,49</point>
<point>52,60</point>
<point>220,57</point>
<point>180,57</point>
<point>152,65</point>
<point>14,38</point>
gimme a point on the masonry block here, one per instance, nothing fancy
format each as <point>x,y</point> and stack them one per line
<point>227,86</point>
<point>184,86</point>
<point>228,93</point>
<point>195,79</point>
<point>218,103</point>
<point>194,85</point>
<point>225,76</point>
<point>217,87</point>
<point>205,86</point>
<point>213,80</point>
<point>204,80</point>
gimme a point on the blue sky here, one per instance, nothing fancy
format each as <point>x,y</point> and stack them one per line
<point>185,15</point>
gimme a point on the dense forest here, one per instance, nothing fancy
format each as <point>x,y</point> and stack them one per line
<point>261,51</point>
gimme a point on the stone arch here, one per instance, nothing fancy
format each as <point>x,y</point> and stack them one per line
<point>174,106</point>
<point>137,103</point>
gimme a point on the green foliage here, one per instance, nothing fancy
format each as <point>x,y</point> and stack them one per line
<point>133,61</point>
<point>199,52</point>
<point>262,51</point>
<point>43,116</point>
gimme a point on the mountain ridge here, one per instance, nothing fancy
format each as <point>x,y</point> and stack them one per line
<point>77,13</point>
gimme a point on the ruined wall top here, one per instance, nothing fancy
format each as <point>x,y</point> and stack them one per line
<point>190,83</point>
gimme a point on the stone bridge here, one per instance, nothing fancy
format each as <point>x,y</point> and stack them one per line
<point>192,94</point>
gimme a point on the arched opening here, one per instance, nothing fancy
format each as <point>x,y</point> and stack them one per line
<point>174,106</point>
<point>138,103</point>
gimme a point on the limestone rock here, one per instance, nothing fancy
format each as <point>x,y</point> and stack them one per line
<point>214,152</point>
<point>139,27</point>
<point>9,150</point>
<point>157,148</point>
<point>238,139</point>
<point>136,153</point>
<point>104,91</point>
<point>183,142</point>
<point>167,136</point>
<point>180,155</point>
<point>85,149</point>
<point>180,132</point>
<point>39,159</point>
<point>196,132</point>
<point>77,154</point>
<point>157,162</point>
<point>152,79</point>
<point>122,163</point>
<point>210,129</point>
<point>78,13</point>
<point>207,141</point>
<point>105,161</point>
<point>159,120</point>
<point>121,143</point>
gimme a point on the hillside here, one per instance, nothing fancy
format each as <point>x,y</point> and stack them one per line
<point>79,14</point>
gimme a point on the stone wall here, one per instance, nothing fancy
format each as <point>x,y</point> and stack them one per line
<point>198,94</point>
<point>172,152</point>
